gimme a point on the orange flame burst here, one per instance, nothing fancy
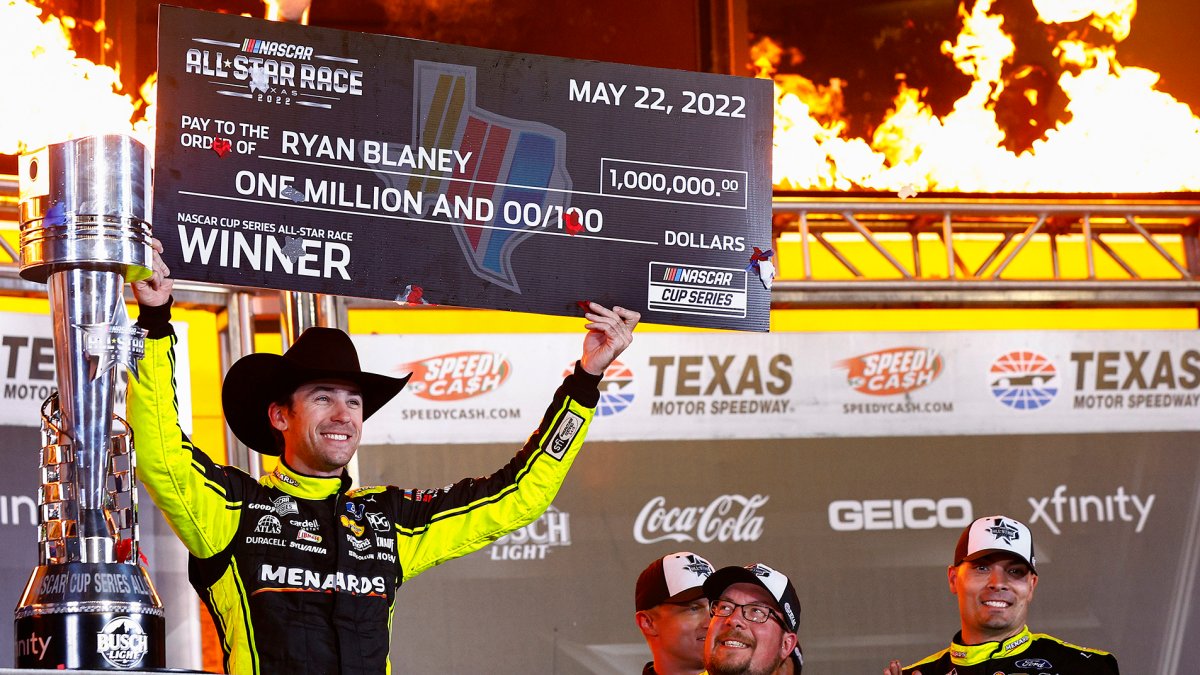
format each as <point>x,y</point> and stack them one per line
<point>1120,135</point>
<point>53,95</point>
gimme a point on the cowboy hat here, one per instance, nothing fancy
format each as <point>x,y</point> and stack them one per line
<point>257,380</point>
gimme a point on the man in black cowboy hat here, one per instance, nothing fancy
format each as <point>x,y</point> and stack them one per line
<point>298,570</point>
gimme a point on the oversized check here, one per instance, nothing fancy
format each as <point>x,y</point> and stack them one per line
<point>329,161</point>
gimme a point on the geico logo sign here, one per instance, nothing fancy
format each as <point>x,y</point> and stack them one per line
<point>726,518</point>
<point>900,514</point>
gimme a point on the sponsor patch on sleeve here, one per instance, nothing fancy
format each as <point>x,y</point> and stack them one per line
<point>563,435</point>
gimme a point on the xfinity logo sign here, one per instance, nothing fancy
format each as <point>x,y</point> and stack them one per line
<point>900,514</point>
<point>726,518</point>
<point>1060,508</point>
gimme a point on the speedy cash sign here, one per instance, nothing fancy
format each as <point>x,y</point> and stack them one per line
<point>457,375</point>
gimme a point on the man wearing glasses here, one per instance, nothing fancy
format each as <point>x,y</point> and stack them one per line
<point>755,616</point>
<point>672,613</point>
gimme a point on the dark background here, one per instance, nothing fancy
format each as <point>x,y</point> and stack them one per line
<point>866,43</point>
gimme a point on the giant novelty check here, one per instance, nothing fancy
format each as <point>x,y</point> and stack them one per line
<point>328,161</point>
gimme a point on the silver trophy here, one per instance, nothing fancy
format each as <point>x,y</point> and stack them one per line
<point>89,603</point>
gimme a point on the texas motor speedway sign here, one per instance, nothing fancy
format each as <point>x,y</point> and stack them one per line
<point>328,161</point>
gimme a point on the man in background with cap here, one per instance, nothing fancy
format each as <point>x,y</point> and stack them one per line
<point>994,575</point>
<point>298,570</point>
<point>672,613</point>
<point>755,616</point>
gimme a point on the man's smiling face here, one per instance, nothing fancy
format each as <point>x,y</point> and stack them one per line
<point>736,645</point>
<point>321,426</point>
<point>994,593</point>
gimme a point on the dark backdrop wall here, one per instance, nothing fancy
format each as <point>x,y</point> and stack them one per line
<point>865,528</point>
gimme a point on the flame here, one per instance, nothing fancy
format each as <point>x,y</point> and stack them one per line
<point>1121,134</point>
<point>54,95</point>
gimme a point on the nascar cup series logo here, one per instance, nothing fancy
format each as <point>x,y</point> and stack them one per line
<point>888,372</point>
<point>616,389</point>
<point>459,375</point>
<point>122,642</point>
<point>1024,380</point>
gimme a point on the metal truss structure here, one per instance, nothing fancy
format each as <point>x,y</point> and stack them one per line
<point>934,271</point>
<point>892,252</point>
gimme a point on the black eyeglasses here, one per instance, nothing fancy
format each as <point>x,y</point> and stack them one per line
<point>753,613</point>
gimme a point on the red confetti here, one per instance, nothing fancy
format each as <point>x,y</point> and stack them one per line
<point>222,146</point>
<point>124,549</point>
<point>414,295</point>
<point>585,305</point>
<point>573,224</point>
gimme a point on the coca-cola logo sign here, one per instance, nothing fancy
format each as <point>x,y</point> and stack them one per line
<point>726,518</point>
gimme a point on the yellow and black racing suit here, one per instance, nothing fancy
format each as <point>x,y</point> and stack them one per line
<point>300,573</point>
<point>1023,653</point>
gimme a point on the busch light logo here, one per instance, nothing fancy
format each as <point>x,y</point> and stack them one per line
<point>122,643</point>
<point>535,540</point>
<point>1023,380</point>
<point>726,518</point>
<point>517,163</point>
<point>616,389</point>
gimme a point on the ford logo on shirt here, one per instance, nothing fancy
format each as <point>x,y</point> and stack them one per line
<point>1035,664</point>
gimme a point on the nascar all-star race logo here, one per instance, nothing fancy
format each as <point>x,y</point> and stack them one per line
<point>456,376</point>
<point>616,389</point>
<point>1023,380</point>
<point>268,71</point>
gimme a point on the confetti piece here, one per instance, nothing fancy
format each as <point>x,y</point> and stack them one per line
<point>412,295</point>
<point>585,305</point>
<point>293,247</point>
<point>293,194</point>
<point>55,215</point>
<point>760,263</point>
<point>573,224</point>
<point>766,273</point>
<point>907,191</point>
<point>222,146</point>
<point>258,78</point>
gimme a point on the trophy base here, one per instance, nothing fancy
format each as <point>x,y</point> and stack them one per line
<point>97,616</point>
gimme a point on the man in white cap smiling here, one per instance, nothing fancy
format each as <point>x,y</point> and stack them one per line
<point>994,575</point>
<point>672,613</point>
<point>298,569</point>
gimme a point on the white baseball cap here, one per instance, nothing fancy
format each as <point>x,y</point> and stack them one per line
<point>995,534</point>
